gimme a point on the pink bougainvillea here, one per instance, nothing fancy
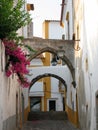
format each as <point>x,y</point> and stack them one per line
<point>17,62</point>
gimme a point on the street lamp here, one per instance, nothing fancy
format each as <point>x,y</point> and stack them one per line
<point>54,60</point>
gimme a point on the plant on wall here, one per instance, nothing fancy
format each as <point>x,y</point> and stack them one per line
<point>17,62</point>
<point>12,18</point>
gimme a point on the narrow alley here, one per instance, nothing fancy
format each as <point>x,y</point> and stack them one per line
<point>48,121</point>
<point>48,81</point>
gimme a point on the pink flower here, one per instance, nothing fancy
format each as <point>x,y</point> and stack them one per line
<point>17,62</point>
<point>8,73</point>
<point>23,81</point>
<point>26,84</point>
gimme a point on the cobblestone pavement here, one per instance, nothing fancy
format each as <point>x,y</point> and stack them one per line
<point>48,125</point>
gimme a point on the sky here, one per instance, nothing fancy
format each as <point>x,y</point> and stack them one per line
<point>44,10</point>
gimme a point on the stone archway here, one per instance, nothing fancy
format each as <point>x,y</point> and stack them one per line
<point>62,82</point>
<point>53,46</point>
<point>63,58</point>
<point>48,75</point>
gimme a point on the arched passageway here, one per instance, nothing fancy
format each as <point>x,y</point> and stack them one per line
<point>48,75</point>
<point>67,59</point>
<point>54,46</point>
<point>63,58</point>
<point>52,102</point>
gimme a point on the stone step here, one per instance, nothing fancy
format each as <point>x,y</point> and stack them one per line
<point>53,115</point>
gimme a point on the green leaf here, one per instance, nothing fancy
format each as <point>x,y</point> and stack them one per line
<point>12,17</point>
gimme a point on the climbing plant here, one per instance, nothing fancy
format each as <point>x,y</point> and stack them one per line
<point>12,17</point>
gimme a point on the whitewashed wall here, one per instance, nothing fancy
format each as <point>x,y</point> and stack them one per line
<point>58,70</point>
<point>55,94</point>
<point>55,30</point>
<point>90,47</point>
<point>8,89</point>
<point>88,75</point>
<point>68,8</point>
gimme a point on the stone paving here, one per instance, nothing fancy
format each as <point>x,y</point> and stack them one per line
<point>48,125</point>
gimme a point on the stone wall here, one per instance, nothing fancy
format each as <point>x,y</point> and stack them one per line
<point>65,45</point>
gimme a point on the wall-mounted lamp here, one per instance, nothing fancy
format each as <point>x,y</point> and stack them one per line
<point>54,60</point>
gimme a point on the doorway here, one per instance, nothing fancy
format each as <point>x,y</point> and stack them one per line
<point>35,103</point>
<point>52,105</point>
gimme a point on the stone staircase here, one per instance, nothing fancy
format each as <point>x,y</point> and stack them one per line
<point>51,115</point>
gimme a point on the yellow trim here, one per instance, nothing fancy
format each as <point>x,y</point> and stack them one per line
<point>26,111</point>
<point>72,116</point>
<point>35,66</point>
<point>30,7</point>
<point>41,103</point>
<point>47,60</point>
<point>47,82</point>
<point>40,80</point>
<point>47,90</point>
<point>62,24</point>
<point>46,29</point>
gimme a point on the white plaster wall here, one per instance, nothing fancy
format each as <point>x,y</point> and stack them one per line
<point>26,94</point>
<point>1,109</point>
<point>54,87</point>
<point>8,88</point>
<point>55,30</point>
<point>36,62</point>
<point>69,91</point>
<point>89,49</point>
<point>58,70</point>
<point>37,89</point>
<point>68,8</point>
<point>56,94</point>
<point>60,103</point>
<point>91,52</point>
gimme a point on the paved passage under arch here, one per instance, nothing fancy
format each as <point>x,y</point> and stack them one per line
<point>49,125</point>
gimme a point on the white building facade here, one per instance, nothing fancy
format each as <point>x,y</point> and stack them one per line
<point>67,23</point>
<point>86,66</point>
<point>52,29</point>
<point>85,32</point>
